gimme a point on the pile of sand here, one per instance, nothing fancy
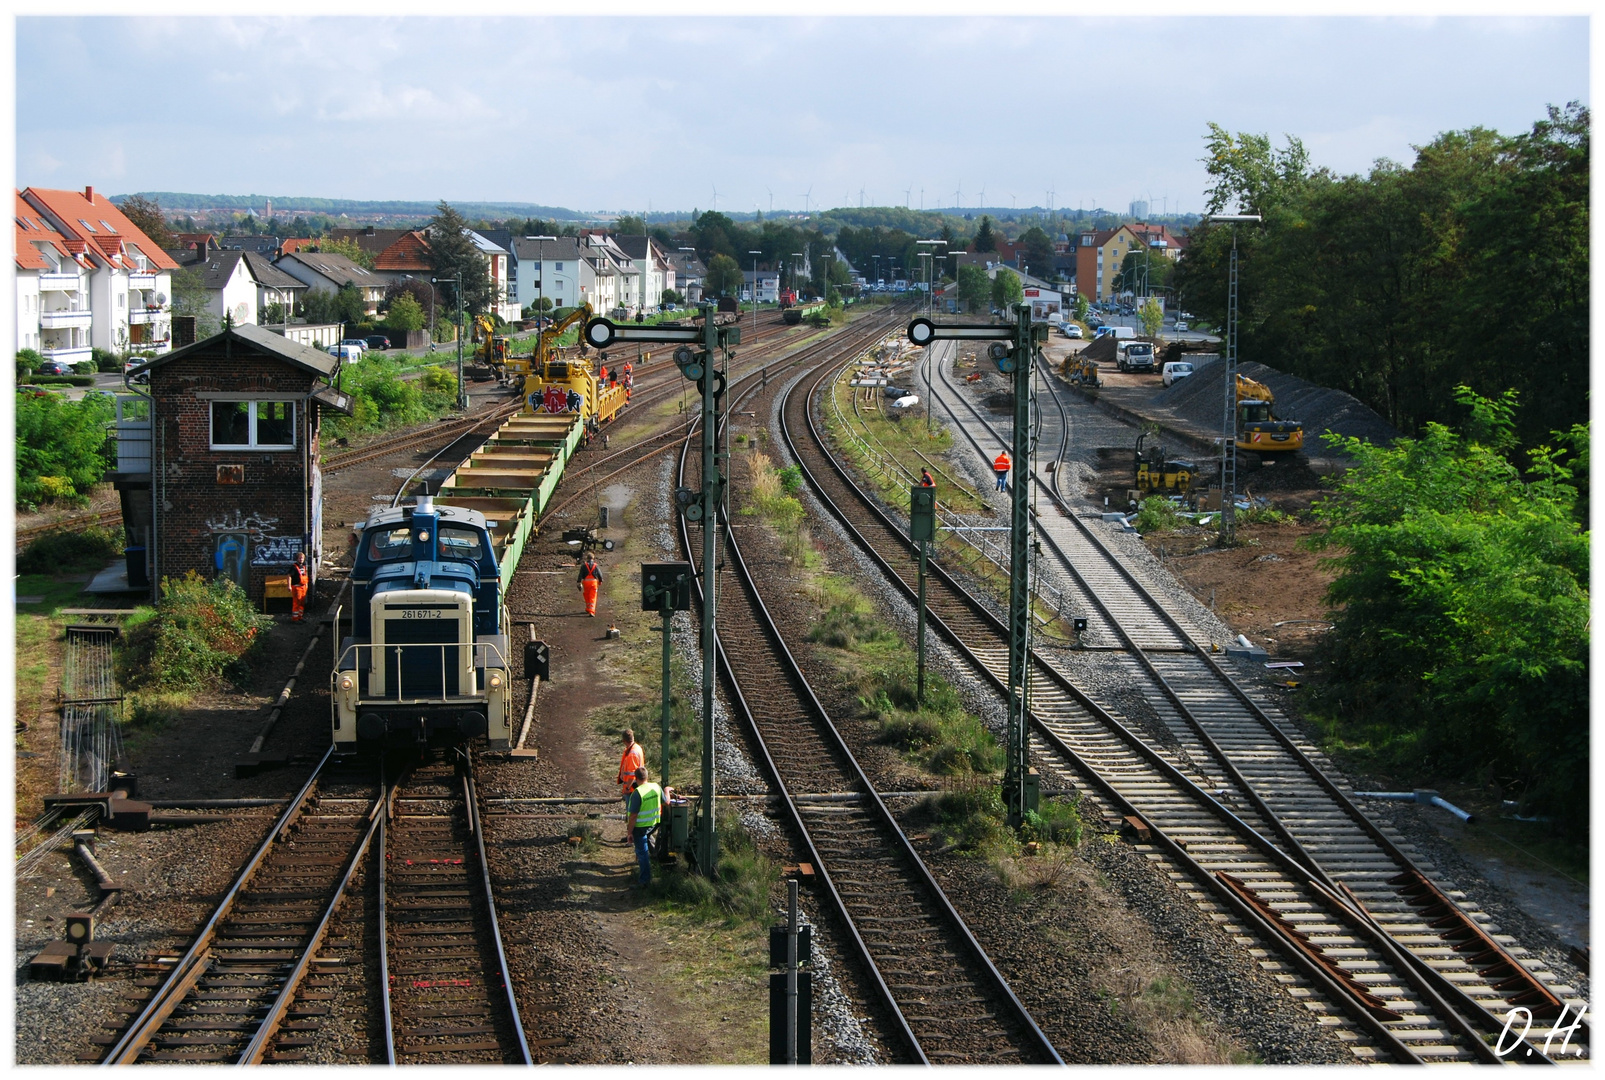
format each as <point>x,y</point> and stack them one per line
<point>1198,398</point>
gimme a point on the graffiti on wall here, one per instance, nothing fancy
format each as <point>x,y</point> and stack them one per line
<point>254,525</point>
<point>276,550</point>
<point>230,556</point>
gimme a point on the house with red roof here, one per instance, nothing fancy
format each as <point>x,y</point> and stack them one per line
<point>130,285</point>
<point>53,315</point>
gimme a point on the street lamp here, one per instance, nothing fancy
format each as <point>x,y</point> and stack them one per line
<point>1228,451</point>
<point>462,388</point>
<point>540,293</point>
<point>754,255</point>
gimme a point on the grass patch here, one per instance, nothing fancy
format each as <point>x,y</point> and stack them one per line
<point>583,836</point>
<point>738,895</point>
<point>969,818</point>
<point>773,497</point>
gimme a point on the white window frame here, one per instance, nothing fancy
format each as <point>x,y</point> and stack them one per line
<point>251,444</point>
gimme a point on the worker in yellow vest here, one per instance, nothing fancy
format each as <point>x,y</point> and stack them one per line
<point>646,807</point>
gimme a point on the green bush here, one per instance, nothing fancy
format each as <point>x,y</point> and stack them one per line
<point>89,367</point>
<point>381,398</point>
<point>1156,514</point>
<point>28,360</point>
<point>102,360</point>
<point>970,818</point>
<point>738,893</point>
<point>438,380</point>
<point>1263,515</point>
<point>1054,821</point>
<point>201,630</point>
<point>791,480</point>
<point>65,552</point>
<point>63,448</point>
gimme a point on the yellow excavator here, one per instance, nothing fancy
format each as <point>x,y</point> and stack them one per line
<point>494,349</point>
<point>1257,429</point>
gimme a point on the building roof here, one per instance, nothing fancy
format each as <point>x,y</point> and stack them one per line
<point>291,244</point>
<point>483,244</point>
<point>33,230</point>
<point>96,221</point>
<point>640,247</point>
<point>269,275</point>
<point>337,268</point>
<point>370,239</point>
<point>409,251</point>
<point>195,239</point>
<point>261,341</point>
<point>564,247</point>
<point>264,244</point>
<point>219,267</point>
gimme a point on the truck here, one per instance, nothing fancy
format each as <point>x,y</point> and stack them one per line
<point>1258,429</point>
<point>1134,355</point>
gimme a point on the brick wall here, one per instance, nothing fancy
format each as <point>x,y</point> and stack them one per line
<point>227,503</point>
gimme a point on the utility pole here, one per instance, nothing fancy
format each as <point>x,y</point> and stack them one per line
<point>1228,447</point>
<point>462,389</point>
<point>1013,349</point>
<point>694,357</point>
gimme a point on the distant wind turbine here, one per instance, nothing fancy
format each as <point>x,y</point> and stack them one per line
<point>807,195</point>
<point>771,198</point>
<point>716,198</point>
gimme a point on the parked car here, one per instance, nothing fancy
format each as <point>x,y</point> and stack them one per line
<point>1176,369</point>
<point>357,343</point>
<point>378,341</point>
<point>1181,328</point>
<point>1070,330</point>
<point>32,391</point>
<point>56,367</point>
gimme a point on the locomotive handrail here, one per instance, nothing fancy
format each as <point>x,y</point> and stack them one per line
<point>347,663</point>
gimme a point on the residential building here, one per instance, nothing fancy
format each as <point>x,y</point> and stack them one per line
<point>503,238</point>
<point>686,274</point>
<point>650,264</point>
<point>326,271</point>
<point>260,245</point>
<point>1101,253</point>
<point>767,286</point>
<point>53,313</point>
<point>549,269</point>
<point>616,282</point>
<point>131,285</point>
<point>496,258</point>
<point>230,288</point>
<point>273,286</point>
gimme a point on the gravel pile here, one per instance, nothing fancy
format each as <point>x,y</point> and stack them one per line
<point>1198,398</point>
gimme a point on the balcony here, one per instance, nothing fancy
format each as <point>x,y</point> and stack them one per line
<point>58,282</point>
<point>65,319</point>
<point>142,280</point>
<point>70,353</point>
<point>147,316</point>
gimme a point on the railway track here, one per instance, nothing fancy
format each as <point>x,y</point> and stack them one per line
<point>232,996</point>
<point>949,1002</point>
<point>1234,739</point>
<point>1392,1002</point>
<point>447,992</point>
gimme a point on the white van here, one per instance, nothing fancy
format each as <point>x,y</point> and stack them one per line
<point>348,353</point>
<point>1176,369</point>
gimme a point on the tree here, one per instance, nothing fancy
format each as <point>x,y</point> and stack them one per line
<point>1037,251</point>
<point>974,288</point>
<point>421,292</point>
<point>630,225</point>
<point>454,253</point>
<point>724,276</point>
<point>192,298</point>
<point>1006,289</point>
<point>146,215</point>
<point>62,446</point>
<point>1461,608</point>
<point>1082,306</point>
<point>405,314</point>
<point>349,249</point>
<point>1152,317</point>
<point>348,304</point>
<point>671,297</point>
<point>272,314</point>
<point>985,238</point>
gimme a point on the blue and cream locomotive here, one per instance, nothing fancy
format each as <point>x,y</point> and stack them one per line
<point>426,657</point>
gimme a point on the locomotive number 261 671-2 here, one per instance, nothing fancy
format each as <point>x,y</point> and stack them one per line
<point>422,613</point>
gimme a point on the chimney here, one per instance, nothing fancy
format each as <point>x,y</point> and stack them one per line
<point>89,193</point>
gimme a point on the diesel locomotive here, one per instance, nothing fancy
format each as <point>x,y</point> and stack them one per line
<point>426,657</point>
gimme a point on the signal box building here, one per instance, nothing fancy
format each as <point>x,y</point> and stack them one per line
<point>231,437</point>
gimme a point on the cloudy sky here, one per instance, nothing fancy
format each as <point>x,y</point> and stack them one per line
<point>626,113</point>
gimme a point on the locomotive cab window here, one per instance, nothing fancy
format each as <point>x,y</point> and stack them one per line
<point>459,543</point>
<point>253,425</point>
<point>386,544</point>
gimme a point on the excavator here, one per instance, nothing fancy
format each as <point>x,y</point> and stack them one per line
<point>1258,430</point>
<point>494,349</point>
<point>548,378</point>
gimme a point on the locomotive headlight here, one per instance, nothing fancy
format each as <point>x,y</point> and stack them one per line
<point>495,680</point>
<point>346,682</point>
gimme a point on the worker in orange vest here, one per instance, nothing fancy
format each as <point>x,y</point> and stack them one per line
<point>1000,465</point>
<point>632,759</point>
<point>590,577</point>
<point>925,478</point>
<point>298,588</point>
